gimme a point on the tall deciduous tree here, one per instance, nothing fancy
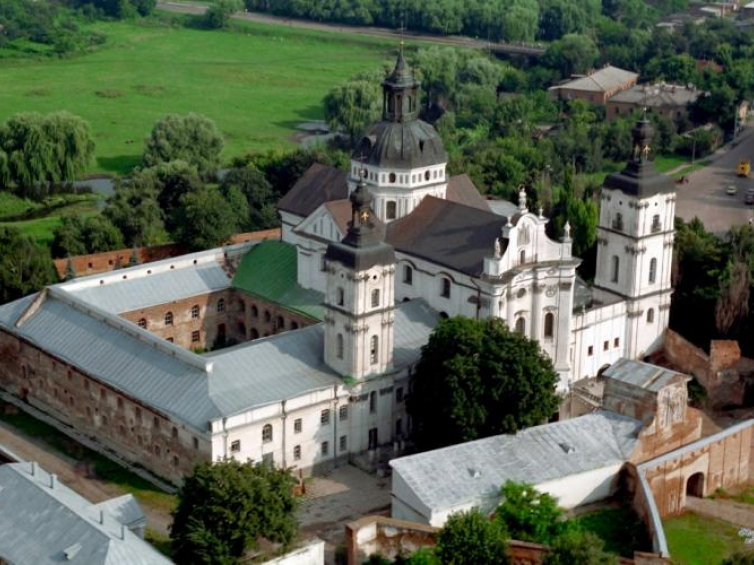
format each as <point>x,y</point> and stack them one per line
<point>469,538</point>
<point>134,210</point>
<point>529,515</point>
<point>170,181</point>
<point>260,196</point>
<point>76,236</point>
<point>25,267</point>
<point>578,548</point>
<point>353,106</point>
<point>477,378</point>
<point>205,218</point>
<point>572,54</point>
<point>225,508</point>
<point>192,138</point>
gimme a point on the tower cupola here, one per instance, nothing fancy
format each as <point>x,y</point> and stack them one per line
<point>400,102</point>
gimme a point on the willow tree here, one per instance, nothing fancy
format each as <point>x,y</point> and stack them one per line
<point>38,151</point>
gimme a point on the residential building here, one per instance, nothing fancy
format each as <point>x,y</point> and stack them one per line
<point>596,87</point>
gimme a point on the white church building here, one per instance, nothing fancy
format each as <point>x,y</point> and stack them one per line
<point>370,260</point>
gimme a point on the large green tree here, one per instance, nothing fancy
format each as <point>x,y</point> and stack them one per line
<point>477,378</point>
<point>578,548</point>
<point>353,106</point>
<point>37,151</point>
<point>206,218</point>
<point>25,267</point>
<point>169,181</point>
<point>469,538</point>
<point>225,508</point>
<point>259,194</point>
<point>77,236</point>
<point>134,210</point>
<point>529,515</point>
<point>572,54</point>
<point>192,138</point>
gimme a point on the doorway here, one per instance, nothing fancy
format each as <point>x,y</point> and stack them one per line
<point>695,485</point>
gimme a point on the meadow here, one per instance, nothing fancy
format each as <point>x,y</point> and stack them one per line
<point>257,82</point>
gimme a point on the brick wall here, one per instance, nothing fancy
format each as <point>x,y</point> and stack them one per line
<point>109,260</point>
<point>123,424</point>
<point>688,358</point>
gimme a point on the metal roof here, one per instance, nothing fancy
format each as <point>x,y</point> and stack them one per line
<point>194,389</point>
<point>269,270</point>
<point>657,96</point>
<point>473,471</point>
<point>125,295</point>
<point>605,79</point>
<point>643,375</point>
<point>43,524</point>
<point>125,509</point>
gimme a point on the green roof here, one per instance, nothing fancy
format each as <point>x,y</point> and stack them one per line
<point>269,270</point>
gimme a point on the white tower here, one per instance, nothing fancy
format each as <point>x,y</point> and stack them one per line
<point>359,298</point>
<point>635,245</point>
<point>403,156</point>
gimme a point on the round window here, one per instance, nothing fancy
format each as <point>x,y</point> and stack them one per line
<point>521,293</point>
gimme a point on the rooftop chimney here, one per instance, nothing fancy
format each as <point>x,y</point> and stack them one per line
<point>53,480</point>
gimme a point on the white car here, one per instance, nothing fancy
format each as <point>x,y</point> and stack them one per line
<point>731,189</point>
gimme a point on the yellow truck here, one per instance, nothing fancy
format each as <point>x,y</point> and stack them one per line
<point>743,168</point>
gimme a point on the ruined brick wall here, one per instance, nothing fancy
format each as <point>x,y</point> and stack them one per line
<point>109,260</point>
<point>724,463</point>
<point>688,358</point>
<point>723,355</point>
<point>120,423</point>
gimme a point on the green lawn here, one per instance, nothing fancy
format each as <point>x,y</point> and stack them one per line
<point>665,163</point>
<point>620,528</point>
<point>697,540</point>
<point>257,83</point>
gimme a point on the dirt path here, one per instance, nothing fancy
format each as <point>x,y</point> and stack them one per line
<point>455,40</point>
<point>74,474</point>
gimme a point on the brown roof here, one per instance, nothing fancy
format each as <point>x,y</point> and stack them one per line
<point>340,210</point>
<point>461,189</point>
<point>319,184</point>
<point>448,233</point>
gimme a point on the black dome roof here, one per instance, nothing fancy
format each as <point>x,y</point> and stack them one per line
<point>403,145</point>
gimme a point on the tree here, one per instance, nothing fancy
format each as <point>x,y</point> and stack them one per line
<point>36,150</point>
<point>261,199</point>
<point>218,14</point>
<point>529,515</point>
<point>134,210</point>
<point>78,236</point>
<point>170,181</point>
<point>192,138</point>
<point>225,508</point>
<point>70,271</point>
<point>578,548</point>
<point>572,54</point>
<point>476,378</point>
<point>25,267</point>
<point>469,538</point>
<point>67,237</point>
<point>353,106</point>
<point>206,219</point>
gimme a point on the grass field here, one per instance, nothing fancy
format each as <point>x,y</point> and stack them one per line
<point>620,529</point>
<point>696,540</point>
<point>257,83</point>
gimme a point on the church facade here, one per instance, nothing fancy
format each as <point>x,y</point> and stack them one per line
<point>328,323</point>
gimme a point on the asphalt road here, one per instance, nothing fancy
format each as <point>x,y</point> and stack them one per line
<point>456,40</point>
<point>704,195</point>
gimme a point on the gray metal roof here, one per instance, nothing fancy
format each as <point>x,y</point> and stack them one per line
<point>125,509</point>
<point>40,525</point>
<point>119,295</point>
<point>194,389</point>
<point>657,95</point>
<point>643,375</point>
<point>605,79</point>
<point>471,472</point>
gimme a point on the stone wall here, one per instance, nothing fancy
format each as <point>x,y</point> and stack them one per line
<point>137,432</point>
<point>688,358</point>
<point>311,552</point>
<point>110,260</point>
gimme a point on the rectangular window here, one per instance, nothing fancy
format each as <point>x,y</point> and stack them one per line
<point>297,453</point>
<point>325,447</point>
<point>590,351</point>
<point>373,350</point>
<point>375,298</point>
<point>324,417</point>
<point>235,446</point>
<point>606,345</point>
<point>196,443</point>
<point>408,275</point>
<point>343,413</point>
<point>343,443</point>
<point>372,402</point>
<point>195,336</point>
<point>445,288</point>
<point>616,342</point>
<point>297,426</point>
<point>399,394</point>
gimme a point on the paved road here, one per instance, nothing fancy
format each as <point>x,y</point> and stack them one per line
<point>455,40</point>
<point>704,195</point>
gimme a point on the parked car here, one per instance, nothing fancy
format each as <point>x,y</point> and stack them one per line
<point>731,189</point>
<point>749,200</point>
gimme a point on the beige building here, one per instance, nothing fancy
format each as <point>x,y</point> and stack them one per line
<point>595,87</point>
<point>669,100</point>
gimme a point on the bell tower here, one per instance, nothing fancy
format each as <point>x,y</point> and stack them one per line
<point>359,295</point>
<point>635,245</point>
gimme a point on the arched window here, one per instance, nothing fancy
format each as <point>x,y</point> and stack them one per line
<point>169,319</point>
<point>341,297</point>
<point>242,329</point>
<point>391,210</point>
<point>339,346</point>
<point>408,275</point>
<point>267,316</point>
<point>391,177</point>
<point>618,222</point>
<point>522,257</point>
<point>194,312</point>
<point>375,298</point>
<point>426,175</point>
<point>652,270</point>
<point>254,333</point>
<point>221,305</point>
<point>445,287</point>
<point>267,433</point>
<point>280,323</point>
<point>373,347</point>
<point>651,316</point>
<point>143,323</point>
<point>549,324</point>
<point>521,325</point>
<point>616,269</point>
<point>254,312</point>
<point>656,224</point>
<point>294,325</point>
